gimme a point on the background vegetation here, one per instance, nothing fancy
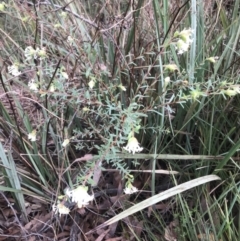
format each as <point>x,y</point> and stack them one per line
<point>83,77</point>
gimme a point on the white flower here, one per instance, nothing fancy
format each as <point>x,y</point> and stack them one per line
<point>2,6</point>
<point>121,87</point>
<point>184,40</point>
<point>70,40</point>
<point>30,53</point>
<point>133,146</point>
<point>65,142</point>
<point>52,88</point>
<point>33,85</point>
<point>32,135</point>
<point>91,84</point>
<point>186,35</point>
<point>64,74</point>
<point>57,25</point>
<point>14,70</point>
<point>182,46</point>
<point>166,81</point>
<point>63,14</point>
<point>130,189</point>
<point>80,196</point>
<point>60,208</point>
<point>170,67</point>
<point>85,109</point>
<point>231,91</point>
<point>212,59</point>
<point>42,54</point>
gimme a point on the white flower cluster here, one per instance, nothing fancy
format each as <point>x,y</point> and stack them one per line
<point>2,6</point>
<point>32,136</point>
<point>64,75</point>
<point>31,53</point>
<point>65,142</point>
<point>130,189</point>
<point>212,59</point>
<point>52,88</point>
<point>182,46</point>
<point>70,40</point>
<point>91,84</point>
<point>33,85</point>
<point>60,208</point>
<point>184,40</point>
<point>14,70</point>
<point>133,146</point>
<point>78,195</point>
